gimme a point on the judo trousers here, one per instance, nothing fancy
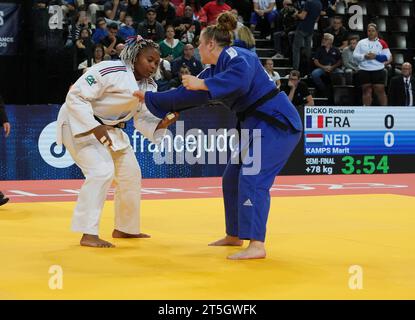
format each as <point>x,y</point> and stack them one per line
<point>247,197</point>
<point>102,166</point>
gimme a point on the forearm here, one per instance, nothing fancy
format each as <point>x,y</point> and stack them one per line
<point>310,101</point>
<point>161,103</point>
<point>337,64</point>
<point>110,47</point>
<point>114,11</point>
<point>318,64</point>
<point>269,9</point>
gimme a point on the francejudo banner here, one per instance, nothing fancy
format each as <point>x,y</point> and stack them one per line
<point>195,147</point>
<point>9,28</point>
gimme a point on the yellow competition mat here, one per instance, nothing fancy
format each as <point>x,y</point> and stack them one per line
<point>322,247</point>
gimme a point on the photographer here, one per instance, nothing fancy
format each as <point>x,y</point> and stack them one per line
<point>286,24</point>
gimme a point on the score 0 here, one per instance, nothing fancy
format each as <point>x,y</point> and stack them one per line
<point>389,137</point>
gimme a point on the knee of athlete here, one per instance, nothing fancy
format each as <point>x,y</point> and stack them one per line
<point>103,172</point>
<point>135,178</point>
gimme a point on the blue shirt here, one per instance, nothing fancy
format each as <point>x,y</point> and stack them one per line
<point>313,9</point>
<point>99,34</point>
<point>238,80</point>
<point>126,31</point>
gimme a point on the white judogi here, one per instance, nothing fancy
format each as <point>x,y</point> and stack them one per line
<point>106,91</point>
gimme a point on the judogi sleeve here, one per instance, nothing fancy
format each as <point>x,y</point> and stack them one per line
<point>161,103</point>
<point>87,88</point>
<point>146,122</point>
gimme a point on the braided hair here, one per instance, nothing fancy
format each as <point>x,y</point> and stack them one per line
<point>133,47</point>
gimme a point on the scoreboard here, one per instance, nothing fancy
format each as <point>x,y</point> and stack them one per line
<point>359,140</point>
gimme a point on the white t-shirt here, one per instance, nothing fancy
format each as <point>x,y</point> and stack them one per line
<point>264,4</point>
<point>377,47</point>
<point>275,76</point>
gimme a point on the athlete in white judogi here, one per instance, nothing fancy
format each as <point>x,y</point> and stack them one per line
<point>90,126</point>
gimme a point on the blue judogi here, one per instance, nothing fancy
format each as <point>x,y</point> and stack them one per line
<point>238,80</point>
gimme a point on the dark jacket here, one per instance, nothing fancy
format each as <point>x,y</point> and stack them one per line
<point>396,94</point>
<point>154,32</point>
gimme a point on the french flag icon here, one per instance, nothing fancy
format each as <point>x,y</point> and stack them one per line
<point>314,122</point>
<point>314,138</point>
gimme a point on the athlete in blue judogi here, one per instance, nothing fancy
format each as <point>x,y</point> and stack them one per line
<point>237,79</point>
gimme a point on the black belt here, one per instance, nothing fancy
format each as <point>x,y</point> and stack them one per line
<point>252,112</point>
<point>121,125</point>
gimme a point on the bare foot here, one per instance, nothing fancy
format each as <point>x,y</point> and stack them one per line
<point>255,250</point>
<point>228,241</point>
<point>119,234</point>
<point>89,240</point>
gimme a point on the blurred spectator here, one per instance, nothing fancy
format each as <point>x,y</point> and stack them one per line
<point>350,63</point>
<point>239,24</point>
<point>188,59</point>
<point>286,25</point>
<point>118,49</point>
<point>297,91</point>
<point>339,32</point>
<point>245,39</point>
<point>402,88</point>
<point>166,13</point>
<point>147,3</point>
<point>111,41</point>
<point>127,29</point>
<point>264,14</point>
<point>244,8</point>
<point>4,122</point>
<point>196,43</point>
<point>170,48</point>
<point>198,12</point>
<point>274,75</point>
<point>372,53</point>
<point>150,28</point>
<point>186,28</point>
<point>68,7</point>
<point>93,6</point>
<point>98,56</point>
<point>213,9</point>
<point>101,31</point>
<point>329,7</point>
<point>115,10</point>
<point>304,33</point>
<point>239,19</point>
<point>80,21</point>
<point>84,46</point>
<point>176,3</point>
<point>136,11</point>
<point>177,82</point>
<point>163,75</point>
<point>328,60</point>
